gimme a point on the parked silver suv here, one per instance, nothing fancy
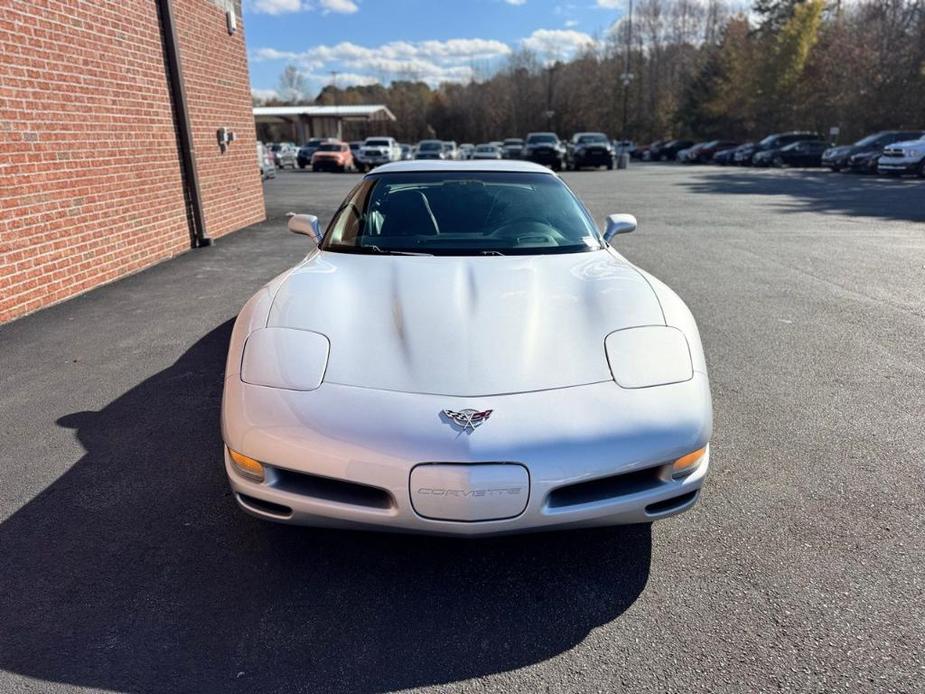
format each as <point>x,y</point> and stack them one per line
<point>903,158</point>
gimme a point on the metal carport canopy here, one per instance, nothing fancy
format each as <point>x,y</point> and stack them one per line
<point>375,112</point>
<point>315,121</point>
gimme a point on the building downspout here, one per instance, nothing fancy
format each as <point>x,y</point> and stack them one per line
<point>198,235</point>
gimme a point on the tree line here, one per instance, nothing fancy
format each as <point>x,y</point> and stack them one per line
<point>689,68</point>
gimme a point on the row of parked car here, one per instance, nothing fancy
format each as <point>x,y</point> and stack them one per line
<point>585,149</point>
<point>888,152</point>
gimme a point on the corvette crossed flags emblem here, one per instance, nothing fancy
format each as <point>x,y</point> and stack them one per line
<point>468,419</point>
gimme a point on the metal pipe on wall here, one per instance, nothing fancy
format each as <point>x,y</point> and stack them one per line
<point>198,235</point>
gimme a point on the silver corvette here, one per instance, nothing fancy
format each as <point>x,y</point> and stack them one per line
<point>462,352</point>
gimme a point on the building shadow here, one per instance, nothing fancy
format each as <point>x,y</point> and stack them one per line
<point>818,190</point>
<point>135,571</point>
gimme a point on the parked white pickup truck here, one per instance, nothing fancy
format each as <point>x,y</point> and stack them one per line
<point>903,158</point>
<point>378,150</point>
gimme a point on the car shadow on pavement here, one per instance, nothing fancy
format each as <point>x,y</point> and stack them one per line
<point>135,571</point>
<point>815,190</point>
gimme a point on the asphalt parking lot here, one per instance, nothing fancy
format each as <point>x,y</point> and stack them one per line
<point>126,566</point>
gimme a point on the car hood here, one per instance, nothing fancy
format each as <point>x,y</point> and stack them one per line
<point>909,144</point>
<point>465,326</point>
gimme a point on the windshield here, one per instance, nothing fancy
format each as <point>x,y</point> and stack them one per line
<point>462,213</point>
<point>587,139</point>
<point>330,148</point>
<point>431,146</point>
<point>874,139</point>
<point>541,139</point>
<point>377,143</point>
<point>513,142</point>
<point>486,148</point>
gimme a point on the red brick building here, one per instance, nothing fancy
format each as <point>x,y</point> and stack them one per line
<point>110,160</point>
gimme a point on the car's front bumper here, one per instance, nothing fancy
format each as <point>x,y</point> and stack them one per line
<point>327,164</point>
<point>620,442</point>
<point>863,164</point>
<point>593,158</point>
<point>375,159</point>
<point>898,165</point>
<point>544,157</point>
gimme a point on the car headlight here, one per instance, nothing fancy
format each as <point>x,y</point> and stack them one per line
<point>911,153</point>
<point>285,358</point>
<point>653,355</point>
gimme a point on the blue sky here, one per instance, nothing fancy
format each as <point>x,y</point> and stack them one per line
<point>433,40</point>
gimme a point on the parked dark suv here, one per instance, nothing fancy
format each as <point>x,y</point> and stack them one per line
<point>669,150</point>
<point>544,148</point>
<point>308,150</point>
<point>779,141</point>
<point>838,158</point>
<point>589,149</point>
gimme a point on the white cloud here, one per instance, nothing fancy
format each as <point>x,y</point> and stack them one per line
<point>276,6</point>
<point>431,61</point>
<point>262,54</point>
<point>516,2</point>
<point>557,43</point>
<point>569,23</point>
<point>610,4</point>
<point>339,6</point>
<point>344,79</point>
<point>264,95</point>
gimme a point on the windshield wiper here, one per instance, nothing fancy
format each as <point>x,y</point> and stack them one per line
<point>376,249</point>
<point>491,253</point>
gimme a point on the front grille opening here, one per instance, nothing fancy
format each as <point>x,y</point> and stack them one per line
<point>671,504</point>
<point>329,489</point>
<point>605,488</point>
<point>265,506</point>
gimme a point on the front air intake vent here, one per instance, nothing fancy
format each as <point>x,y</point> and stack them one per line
<point>605,488</point>
<point>329,489</point>
<point>267,507</point>
<point>675,503</point>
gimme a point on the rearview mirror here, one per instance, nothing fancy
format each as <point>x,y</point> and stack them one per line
<point>306,224</point>
<point>619,224</point>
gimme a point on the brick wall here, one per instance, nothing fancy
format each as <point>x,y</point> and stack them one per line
<point>91,184</point>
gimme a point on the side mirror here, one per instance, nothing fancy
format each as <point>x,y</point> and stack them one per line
<point>619,224</point>
<point>306,224</point>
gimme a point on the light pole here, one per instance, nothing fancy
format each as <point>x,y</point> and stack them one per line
<point>627,76</point>
<point>549,113</point>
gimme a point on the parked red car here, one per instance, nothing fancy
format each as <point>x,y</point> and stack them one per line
<point>333,156</point>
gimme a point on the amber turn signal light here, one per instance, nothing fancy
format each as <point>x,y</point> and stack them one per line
<point>686,464</point>
<point>247,466</point>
